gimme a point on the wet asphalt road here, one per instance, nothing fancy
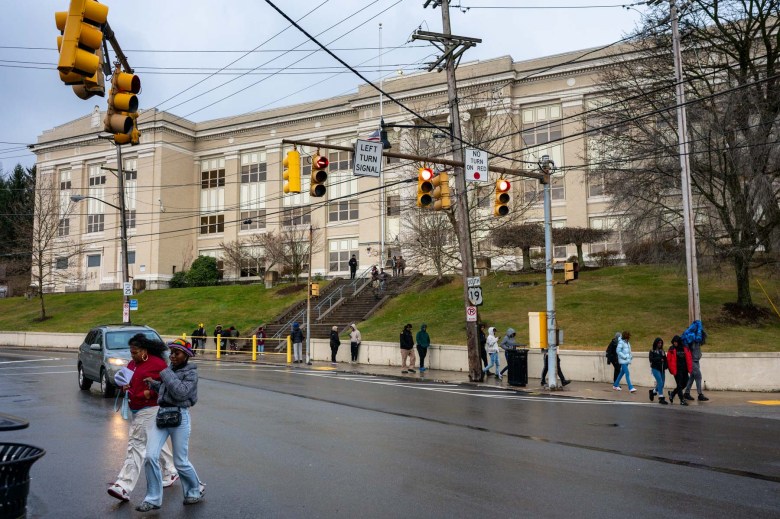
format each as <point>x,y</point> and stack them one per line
<point>296,442</point>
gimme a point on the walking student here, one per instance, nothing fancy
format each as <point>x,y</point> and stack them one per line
<point>423,343</point>
<point>612,357</point>
<point>261,336</point>
<point>694,337</point>
<point>564,381</point>
<point>624,358</point>
<point>680,362</point>
<point>407,350</point>
<point>352,266</point>
<point>354,342</point>
<point>296,335</point>
<point>147,362</point>
<point>508,344</point>
<point>482,342</point>
<point>198,338</point>
<point>658,365</point>
<point>177,390</point>
<point>335,342</point>
<point>492,350</point>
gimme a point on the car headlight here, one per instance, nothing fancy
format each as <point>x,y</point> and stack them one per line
<point>118,362</point>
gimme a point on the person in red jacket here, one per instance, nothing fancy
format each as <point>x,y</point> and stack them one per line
<point>680,362</point>
<point>147,362</point>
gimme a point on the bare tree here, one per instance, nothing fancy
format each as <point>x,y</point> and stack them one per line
<point>579,236</point>
<point>245,255</point>
<point>429,242</point>
<point>521,237</point>
<point>50,252</point>
<point>289,248</point>
<point>731,60</point>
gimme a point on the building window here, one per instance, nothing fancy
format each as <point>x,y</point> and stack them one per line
<point>614,241</point>
<point>93,260</point>
<point>64,228</point>
<point>253,167</point>
<point>61,263</point>
<point>343,211</point>
<point>339,161</point>
<point>131,257</point>
<point>96,222</point>
<point>394,205</point>
<point>131,181</point>
<point>596,183</point>
<point>483,197</point>
<point>296,216</point>
<point>541,125</point>
<point>252,262</point>
<point>97,192</point>
<point>339,252</point>
<point>212,224</point>
<point>560,252</point>
<point>256,220</point>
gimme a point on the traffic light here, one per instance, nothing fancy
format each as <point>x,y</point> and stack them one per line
<point>81,28</point>
<point>424,187</point>
<point>292,172</point>
<point>441,191</point>
<point>318,175</point>
<point>123,108</point>
<point>500,206</point>
<point>315,290</point>
<point>570,271</point>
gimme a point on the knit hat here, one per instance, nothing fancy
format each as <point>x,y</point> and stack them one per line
<point>181,344</point>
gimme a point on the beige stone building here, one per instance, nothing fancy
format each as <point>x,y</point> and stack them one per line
<point>192,186</point>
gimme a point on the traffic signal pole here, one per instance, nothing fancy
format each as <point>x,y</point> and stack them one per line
<point>123,226</point>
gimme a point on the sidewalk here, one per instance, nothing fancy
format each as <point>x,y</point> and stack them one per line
<point>590,390</point>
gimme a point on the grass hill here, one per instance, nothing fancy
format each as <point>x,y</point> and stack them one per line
<point>650,301</point>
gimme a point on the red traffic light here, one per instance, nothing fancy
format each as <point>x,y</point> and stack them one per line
<point>426,173</point>
<point>320,162</point>
<point>502,186</point>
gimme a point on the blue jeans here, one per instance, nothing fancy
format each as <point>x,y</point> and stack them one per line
<point>660,378</point>
<point>180,440</point>
<point>623,371</point>
<point>493,362</point>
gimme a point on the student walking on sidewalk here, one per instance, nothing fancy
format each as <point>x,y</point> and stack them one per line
<point>423,343</point>
<point>658,366</point>
<point>624,358</point>
<point>680,363</point>
<point>407,350</point>
<point>492,350</point>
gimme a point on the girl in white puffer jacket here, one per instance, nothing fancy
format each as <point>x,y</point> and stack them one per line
<point>491,346</point>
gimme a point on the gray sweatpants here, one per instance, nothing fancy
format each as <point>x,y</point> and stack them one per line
<point>695,375</point>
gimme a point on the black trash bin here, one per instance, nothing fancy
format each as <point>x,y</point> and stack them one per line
<point>15,462</point>
<point>517,362</point>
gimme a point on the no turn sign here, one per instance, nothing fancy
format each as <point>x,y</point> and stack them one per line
<point>476,165</point>
<point>471,314</point>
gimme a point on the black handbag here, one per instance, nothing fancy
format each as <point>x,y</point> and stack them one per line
<point>168,418</point>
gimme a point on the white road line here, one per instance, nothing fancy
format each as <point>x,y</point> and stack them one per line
<point>29,360</point>
<point>40,373</point>
<point>33,367</point>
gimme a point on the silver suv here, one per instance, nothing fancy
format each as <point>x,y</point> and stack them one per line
<point>105,351</point>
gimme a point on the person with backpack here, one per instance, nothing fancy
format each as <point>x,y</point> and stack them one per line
<point>612,357</point>
<point>296,335</point>
<point>658,365</point>
<point>624,358</point>
<point>423,343</point>
<point>694,337</point>
<point>680,362</point>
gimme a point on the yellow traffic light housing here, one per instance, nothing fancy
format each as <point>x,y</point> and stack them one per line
<point>570,271</point>
<point>319,165</point>
<point>424,187</point>
<point>292,172</point>
<point>122,110</point>
<point>315,290</point>
<point>80,40</point>
<point>501,204</point>
<point>441,191</point>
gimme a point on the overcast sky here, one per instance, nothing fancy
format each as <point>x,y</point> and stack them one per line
<point>154,33</point>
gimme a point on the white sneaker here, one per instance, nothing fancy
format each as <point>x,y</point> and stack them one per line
<point>118,492</point>
<point>616,388</point>
<point>632,390</point>
<point>168,481</point>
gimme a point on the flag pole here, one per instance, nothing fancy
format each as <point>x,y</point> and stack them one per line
<point>382,199</point>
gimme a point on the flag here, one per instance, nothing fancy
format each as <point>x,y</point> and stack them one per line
<point>374,136</point>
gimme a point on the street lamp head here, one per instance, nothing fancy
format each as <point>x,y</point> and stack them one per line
<point>76,198</point>
<point>546,164</point>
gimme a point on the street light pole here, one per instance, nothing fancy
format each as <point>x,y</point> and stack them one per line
<point>547,166</point>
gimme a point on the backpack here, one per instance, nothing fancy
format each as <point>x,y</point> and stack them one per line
<point>611,352</point>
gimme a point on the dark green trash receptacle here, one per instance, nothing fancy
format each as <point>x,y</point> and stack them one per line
<point>518,367</point>
<point>15,462</point>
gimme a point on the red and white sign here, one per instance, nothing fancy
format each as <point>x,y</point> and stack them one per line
<point>471,314</point>
<point>476,165</point>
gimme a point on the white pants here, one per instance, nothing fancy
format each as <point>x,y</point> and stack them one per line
<point>297,351</point>
<point>136,450</point>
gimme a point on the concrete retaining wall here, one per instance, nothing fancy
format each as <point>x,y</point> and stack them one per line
<point>721,371</point>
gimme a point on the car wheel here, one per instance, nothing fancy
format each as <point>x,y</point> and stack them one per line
<point>84,382</point>
<point>107,389</point>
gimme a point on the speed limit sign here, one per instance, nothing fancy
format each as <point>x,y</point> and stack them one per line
<point>471,314</point>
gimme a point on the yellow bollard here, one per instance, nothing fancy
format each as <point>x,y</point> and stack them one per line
<point>219,340</point>
<point>254,348</point>
<point>289,349</point>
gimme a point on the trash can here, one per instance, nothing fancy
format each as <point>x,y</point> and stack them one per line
<point>517,362</point>
<point>15,462</point>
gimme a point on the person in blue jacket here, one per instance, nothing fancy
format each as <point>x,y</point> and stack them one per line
<point>624,358</point>
<point>297,340</point>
